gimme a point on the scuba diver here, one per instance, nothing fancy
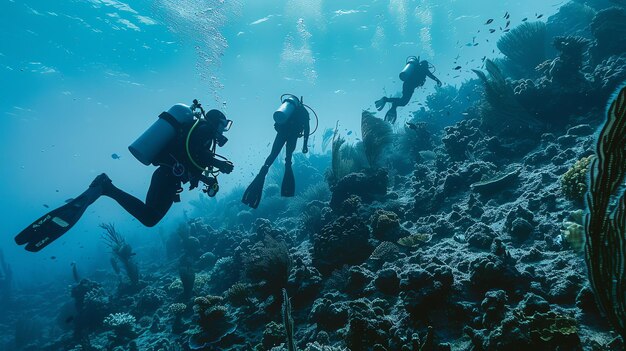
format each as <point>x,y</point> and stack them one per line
<point>413,75</point>
<point>292,122</point>
<point>181,143</point>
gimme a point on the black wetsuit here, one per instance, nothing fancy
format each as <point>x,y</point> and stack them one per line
<point>288,133</point>
<point>165,184</point>
<point>408,88</point>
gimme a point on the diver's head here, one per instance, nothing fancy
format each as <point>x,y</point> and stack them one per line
<point>218,121</point>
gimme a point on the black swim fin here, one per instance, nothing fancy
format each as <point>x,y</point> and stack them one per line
<point>288,188</point>
<point>391,116</point>
<point>254,192</point>
<point>380,104</point>
<point>57,222</point>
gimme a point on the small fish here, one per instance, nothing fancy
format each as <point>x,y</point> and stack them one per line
<point>69,200</point>
<point>506,30</point>
<point>506,15</point>
<point>69,319</point>
<point>489,21</point>
<point>457,68</point>
<point>507,24</point>
<point>349,133</point>
<point>53,257</point>
<point>469,44</point>
<point>492,30</point>
<point>524,19</point>
<point>457,76</point>
<point>46,206</point>
<point>538,17</point>
<point>115,156</point>
<point>475,44</point>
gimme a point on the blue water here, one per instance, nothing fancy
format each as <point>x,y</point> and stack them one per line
<point>81,79</point>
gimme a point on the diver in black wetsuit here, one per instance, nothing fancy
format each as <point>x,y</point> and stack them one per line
<point>176,167</point>
<point>292,122</point>
<point>413,75</point>
<point>181,143</point>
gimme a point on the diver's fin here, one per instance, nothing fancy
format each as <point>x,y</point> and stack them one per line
<point>380,104</point>
<point>254,192</point>
<point>391,116</point>
<point>57,222</point>
<point>53,225</point>
<point>288,188</point>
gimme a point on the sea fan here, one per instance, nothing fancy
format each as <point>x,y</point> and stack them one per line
<point>525,44</point>
<point>377,135</point>
<point>605,224</point>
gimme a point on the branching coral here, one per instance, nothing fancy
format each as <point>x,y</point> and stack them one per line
<point>377,135</point>
<point>605,224</point>
<point>525,44</point>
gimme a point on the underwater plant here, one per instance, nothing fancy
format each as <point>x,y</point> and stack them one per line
<point>377,135</point>
<point>605,223</point>
<point>288,321</point>
<point>122,251</point>
<point>525,44</point>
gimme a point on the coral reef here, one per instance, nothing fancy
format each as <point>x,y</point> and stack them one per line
<point>574,181</point>
<point>456,231</point>
<point>609,29</point>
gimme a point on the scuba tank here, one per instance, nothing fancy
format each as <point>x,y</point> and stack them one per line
<point>409,68</point>
<point>152,142</point>
<point>287,108</point>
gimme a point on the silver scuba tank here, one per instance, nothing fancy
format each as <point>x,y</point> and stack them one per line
<point>409,68</point>
<point>286,109</point>
<point>152,142</point>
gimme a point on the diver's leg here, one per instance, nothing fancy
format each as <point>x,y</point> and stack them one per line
<point>407,93</point>
<point>279,142</point>
<point>288,187</point>
<point>161,195</point>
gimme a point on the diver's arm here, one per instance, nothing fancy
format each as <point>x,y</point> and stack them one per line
<point>432,76</point>
<point>207,158</point>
